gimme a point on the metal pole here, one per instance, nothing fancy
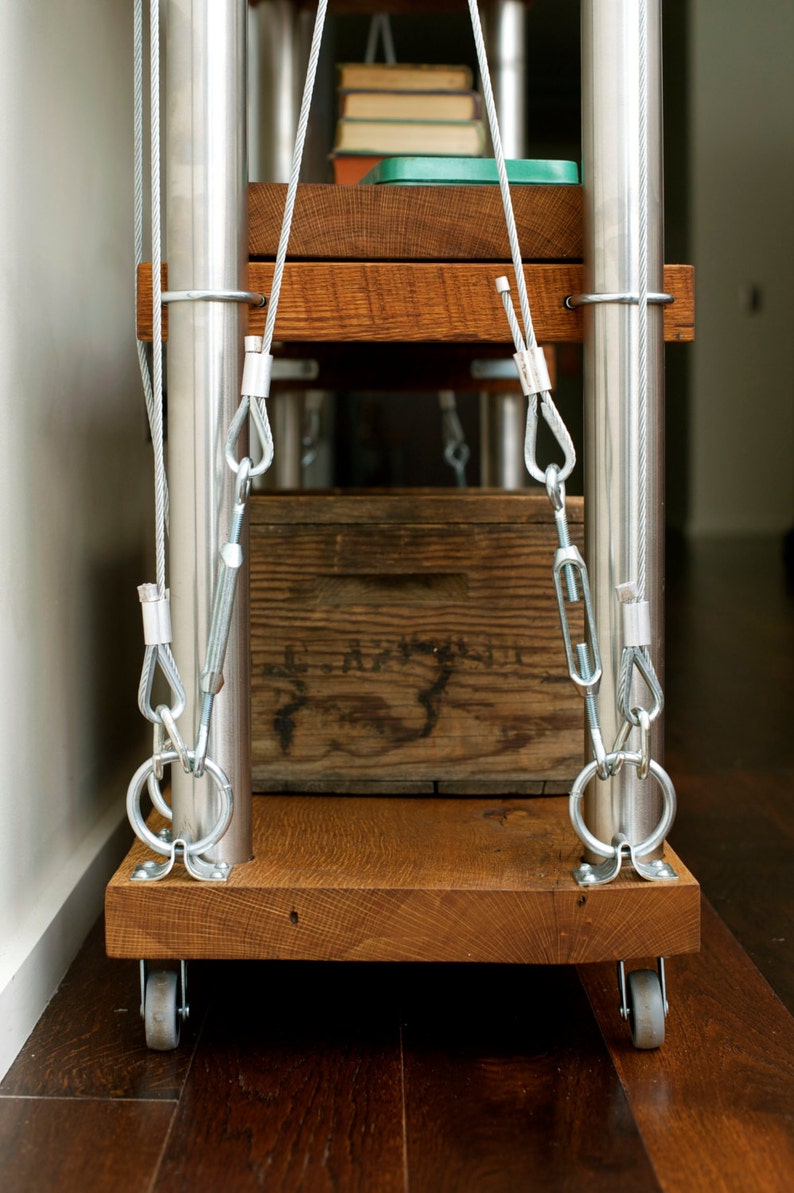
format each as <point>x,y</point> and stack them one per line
<point>277,56</point>
<point>503,416</point>
<point>275,78</point>
<point>610,154</point>
<point>206,246</point>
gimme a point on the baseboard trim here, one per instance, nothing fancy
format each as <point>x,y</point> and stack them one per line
<point>35,965</point>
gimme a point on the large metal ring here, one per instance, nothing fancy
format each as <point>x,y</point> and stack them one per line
<point>600,848</point>
<point>144,833</point>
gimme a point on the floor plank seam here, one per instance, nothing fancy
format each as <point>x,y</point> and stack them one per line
<point>86,1098</point>
<point>623,1084</point>
<point>406,1178</point>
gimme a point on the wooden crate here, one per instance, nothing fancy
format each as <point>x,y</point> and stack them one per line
<point>409,641</point>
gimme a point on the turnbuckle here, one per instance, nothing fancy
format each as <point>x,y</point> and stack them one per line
<point>584,664</point>
<point>229,565</point>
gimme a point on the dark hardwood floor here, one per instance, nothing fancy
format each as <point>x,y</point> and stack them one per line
<point>493,1079</point>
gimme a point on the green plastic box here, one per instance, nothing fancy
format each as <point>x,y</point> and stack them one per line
<point>467,171</point>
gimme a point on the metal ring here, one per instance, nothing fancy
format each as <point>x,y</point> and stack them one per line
<point>600,848</point>
<point>250,296</point>
<point>139,825</point>
<point>572,301</point>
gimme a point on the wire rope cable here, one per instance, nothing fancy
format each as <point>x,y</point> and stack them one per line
<point>138,192</point>
<point>642,312</point>
<point>292,185</point>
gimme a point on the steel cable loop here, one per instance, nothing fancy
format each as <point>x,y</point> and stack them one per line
<point>144,775</point>
<point>617,760</point>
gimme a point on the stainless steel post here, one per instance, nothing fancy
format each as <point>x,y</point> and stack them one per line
<point>277,57</point>
<point>206,248</point>
<point>610,154</point>
<point>503,416</point>
<point>275,76</point>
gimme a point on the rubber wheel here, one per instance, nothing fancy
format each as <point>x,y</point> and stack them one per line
<point>161,1013</point>
<point>646,1008</point>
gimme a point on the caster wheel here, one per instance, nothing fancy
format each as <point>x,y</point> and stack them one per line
<point>161,1012</point>
<point>646,1008</point>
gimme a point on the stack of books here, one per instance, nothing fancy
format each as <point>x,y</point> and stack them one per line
<point>398,109</point>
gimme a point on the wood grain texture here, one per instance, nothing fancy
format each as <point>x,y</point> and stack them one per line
<point>414,637</point>
<point>297,1086</point>
<point>404,880</point>
<point>715,1105</point>
<point>395,223</point>
<point>68,1145</point>
<point>101,1053</point>
<point>414,302</point>
<point>508,1087</point>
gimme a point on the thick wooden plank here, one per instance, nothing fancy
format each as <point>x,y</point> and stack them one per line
<point>404,880</point>
<point>90,1042</point>
<point>70,1145</point>
<point>508,1086</point>
<point>409,302</point>
<point>393,223</point>
<point>415,507</point>
<point>392,644</point>
<point>298,1085</point>
<point>715,1105</point>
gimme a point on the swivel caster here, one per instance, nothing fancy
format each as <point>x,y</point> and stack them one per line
<point>644,1004</point>
<point>163,1006</point>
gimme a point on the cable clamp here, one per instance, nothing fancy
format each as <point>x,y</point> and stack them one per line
<point>636,623</point>
<point>156,611</point>
<point>533,372</point>
<point>257,370</point>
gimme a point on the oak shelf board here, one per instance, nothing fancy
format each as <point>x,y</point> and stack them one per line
<point>416,302</point>
<point>404,880</point>
<point>442,223</point>
<point>396,507</point>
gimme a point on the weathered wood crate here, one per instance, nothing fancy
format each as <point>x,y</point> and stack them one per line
<point>408,642</point>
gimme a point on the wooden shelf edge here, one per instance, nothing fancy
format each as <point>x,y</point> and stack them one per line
<point>457,880</point>
<point>409,302</point>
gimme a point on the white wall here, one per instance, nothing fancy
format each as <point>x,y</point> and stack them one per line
<point>74,484</point>
<point>742,235</point>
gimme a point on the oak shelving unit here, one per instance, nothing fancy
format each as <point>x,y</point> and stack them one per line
<point>412,876</point>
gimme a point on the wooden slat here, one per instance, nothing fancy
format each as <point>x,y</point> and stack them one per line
<point>409,637</point>
<point>404,880</point>
<point>411,302</point>
<point>447,223</point>
<point>714,1105</point>
<point>417,507</point>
